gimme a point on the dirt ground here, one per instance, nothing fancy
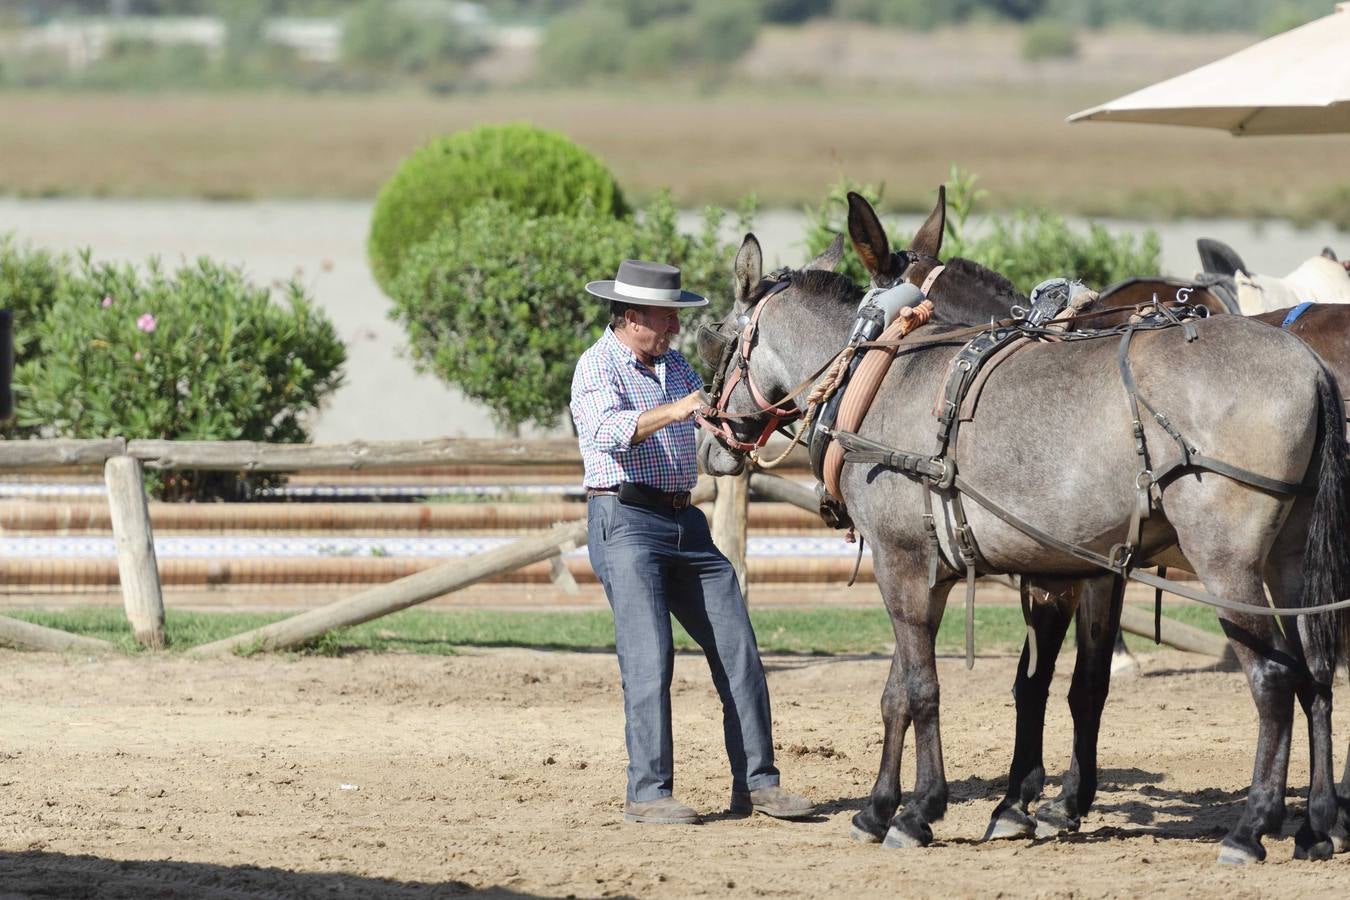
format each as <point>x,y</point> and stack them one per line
<point>499,772</point>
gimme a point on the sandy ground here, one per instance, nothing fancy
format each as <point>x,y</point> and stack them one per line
<point>499,772</point>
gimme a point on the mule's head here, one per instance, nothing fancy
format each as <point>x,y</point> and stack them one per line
<point>962,292</point>
<point>751,376</point>
<point>889,266</point>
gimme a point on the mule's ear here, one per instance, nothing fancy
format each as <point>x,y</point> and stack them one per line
<point>749,268</point>
<point>1329,254</point>
<point>867,235</point>
<point>928,240</point>
<point>829,260</point>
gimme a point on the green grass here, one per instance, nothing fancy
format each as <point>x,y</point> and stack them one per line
<point>998,629</point>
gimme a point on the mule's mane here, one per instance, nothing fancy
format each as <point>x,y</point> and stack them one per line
<point>827,285</point>
<point>981,294</point>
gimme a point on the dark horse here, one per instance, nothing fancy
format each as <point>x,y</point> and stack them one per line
<point>1053,443</point>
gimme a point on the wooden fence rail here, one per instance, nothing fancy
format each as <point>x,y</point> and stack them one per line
<point>249,456</point>
<point>124,460</point>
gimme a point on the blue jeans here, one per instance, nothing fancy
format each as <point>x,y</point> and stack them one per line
<point>655,563</point>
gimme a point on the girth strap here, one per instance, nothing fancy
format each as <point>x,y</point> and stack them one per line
<point>1101,562</point>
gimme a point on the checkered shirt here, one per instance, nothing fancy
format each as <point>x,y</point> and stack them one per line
<point>610,389</point>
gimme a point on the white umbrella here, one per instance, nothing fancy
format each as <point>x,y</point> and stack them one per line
<point>1297,82</point>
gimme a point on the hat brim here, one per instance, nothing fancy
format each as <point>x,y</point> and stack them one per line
<point>605,291</point>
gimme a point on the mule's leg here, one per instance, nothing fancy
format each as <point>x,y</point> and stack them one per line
<point>1050,604</point>
<point>871,822</point>
<point>1098,626</point>
<point>1340,834</point>
<point>1226,530</point>
<point>1284,575</point>
<point>916,613</point>
<point>1271,675</point>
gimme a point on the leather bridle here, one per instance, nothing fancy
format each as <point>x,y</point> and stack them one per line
<point>733,369</point>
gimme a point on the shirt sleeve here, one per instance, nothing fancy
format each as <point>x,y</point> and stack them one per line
<point>596,410</point>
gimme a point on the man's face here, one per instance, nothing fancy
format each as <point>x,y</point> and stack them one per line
<point>652,328</point>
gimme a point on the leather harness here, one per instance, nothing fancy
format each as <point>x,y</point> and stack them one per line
<point>955,402</point>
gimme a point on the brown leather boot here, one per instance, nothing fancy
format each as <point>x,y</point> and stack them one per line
<point>665,811</point>
<point>772,801</point>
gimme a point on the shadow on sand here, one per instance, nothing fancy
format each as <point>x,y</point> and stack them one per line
<point>36,873</point>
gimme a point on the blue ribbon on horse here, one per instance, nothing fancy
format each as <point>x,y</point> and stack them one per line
<point>1296,312</point>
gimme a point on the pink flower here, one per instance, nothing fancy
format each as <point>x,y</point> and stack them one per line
<point>136,356</point>
<point>107,301</point>
<point>146,323</point>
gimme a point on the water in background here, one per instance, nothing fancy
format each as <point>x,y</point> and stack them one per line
<point>324,243</point>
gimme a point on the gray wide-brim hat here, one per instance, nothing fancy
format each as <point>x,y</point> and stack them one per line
<point>646,284</point>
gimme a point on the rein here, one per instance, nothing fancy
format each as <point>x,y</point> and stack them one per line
<point>779,414</point>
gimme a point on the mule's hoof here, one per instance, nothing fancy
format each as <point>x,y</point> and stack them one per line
<point>863,836</point>
<point>897,839</point>
<point>1340,843</point>
<point>1010,824</point>
<point>1230,855</point>
<point>865,831</point>
<point>1324,849</point>
<point>1052,821</point>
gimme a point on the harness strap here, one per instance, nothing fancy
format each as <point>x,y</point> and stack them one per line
<point>1101,562</point>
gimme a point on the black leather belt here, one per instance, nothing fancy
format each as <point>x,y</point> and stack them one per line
<point>635,494</point>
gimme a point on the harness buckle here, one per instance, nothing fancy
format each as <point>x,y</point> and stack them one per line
<point>1120,557</point>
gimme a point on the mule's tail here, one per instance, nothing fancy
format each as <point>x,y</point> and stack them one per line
<point>1326,560</point>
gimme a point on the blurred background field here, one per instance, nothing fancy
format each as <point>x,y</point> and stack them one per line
<point>247,99</point>
<point>785,146</point>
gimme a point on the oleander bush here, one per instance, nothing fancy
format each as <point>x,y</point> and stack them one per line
<point>534,172</point>
<point>196,354</point>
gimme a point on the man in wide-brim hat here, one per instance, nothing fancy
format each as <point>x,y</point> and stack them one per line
<point>633,402</point>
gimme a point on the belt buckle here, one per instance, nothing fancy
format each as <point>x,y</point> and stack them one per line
<point>680,501</point>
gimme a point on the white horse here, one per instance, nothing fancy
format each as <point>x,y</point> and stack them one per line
<point>1322,279</point>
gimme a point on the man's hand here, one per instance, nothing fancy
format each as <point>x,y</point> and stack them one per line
<point>694,402</point>
<point>653,420</point>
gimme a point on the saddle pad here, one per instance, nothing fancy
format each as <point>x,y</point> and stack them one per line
<point>859,393</point>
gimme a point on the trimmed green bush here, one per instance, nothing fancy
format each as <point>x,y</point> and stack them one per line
<point>534,171</point>
<point>200,354</point>
<point>494,303</point>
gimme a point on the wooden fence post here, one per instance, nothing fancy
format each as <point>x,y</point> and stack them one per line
<point>730,512</point>
<point>136,566</point>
